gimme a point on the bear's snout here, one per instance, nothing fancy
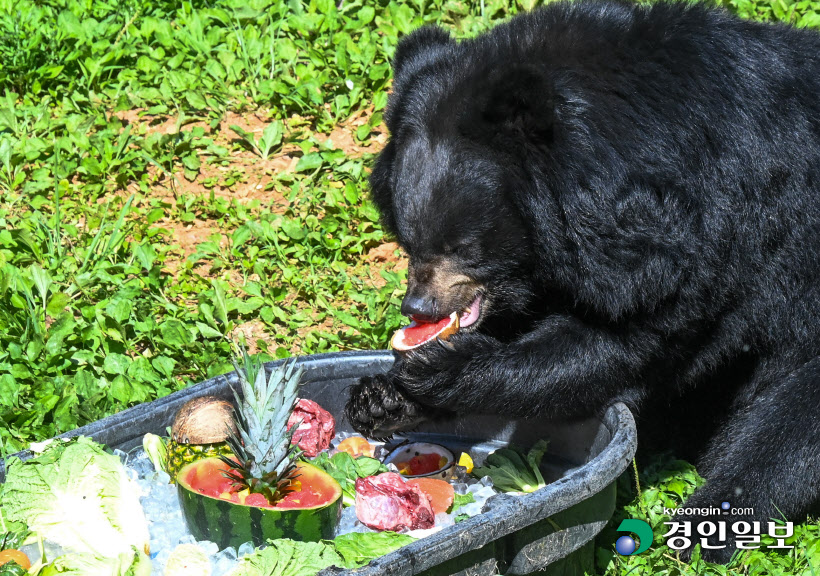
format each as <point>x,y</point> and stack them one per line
<point>436,289</point>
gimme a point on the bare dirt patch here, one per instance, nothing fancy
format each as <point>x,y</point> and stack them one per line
<point>384,253</point>
<point>343,136</point>
<point>251,332</point>
<point>243,175</point>
<point>186,237</point>
<point>383,257</point>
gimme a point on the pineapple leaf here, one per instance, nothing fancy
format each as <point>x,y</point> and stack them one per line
<point>262,444</point>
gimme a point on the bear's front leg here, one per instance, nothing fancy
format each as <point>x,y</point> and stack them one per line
<point>564,368</point>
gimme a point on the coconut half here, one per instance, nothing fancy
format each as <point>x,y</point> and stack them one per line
<point>419,333</point>
<point>203,420</point>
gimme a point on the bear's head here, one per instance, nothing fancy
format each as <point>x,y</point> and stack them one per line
<point>444,182</point>
<point>521,183</point>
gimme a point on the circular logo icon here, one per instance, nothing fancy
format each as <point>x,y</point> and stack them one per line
<point>725,505</point>
<point>625,545</point>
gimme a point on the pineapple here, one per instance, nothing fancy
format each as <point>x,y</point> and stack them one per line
<point>262,444</point>
<point>200,430</point>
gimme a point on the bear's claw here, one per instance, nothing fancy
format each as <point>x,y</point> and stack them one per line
<point>377,409</point>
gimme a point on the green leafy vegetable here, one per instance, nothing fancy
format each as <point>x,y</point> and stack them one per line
<point>134,563</point>
<point>345,470</point>
<point>534,457</point>
<point>286,557</point>
<point>460,500</point>
<point>78,496</point>
<point>156,450</point>
<point>357,549</point>
<point>12,534</point>
<point>511,471</point>
<point>290,558</point>
<point>12,569</point>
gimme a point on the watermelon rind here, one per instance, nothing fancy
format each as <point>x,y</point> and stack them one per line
<point>231,524</point>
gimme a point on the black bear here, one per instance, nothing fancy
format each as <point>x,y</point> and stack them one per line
<point>623,202</point>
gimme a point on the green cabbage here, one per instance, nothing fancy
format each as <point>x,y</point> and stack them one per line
<point>78,496</point>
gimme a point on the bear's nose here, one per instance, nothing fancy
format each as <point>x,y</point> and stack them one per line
<point>420,308</point>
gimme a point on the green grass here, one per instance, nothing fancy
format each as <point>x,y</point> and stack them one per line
<point>123,134</point>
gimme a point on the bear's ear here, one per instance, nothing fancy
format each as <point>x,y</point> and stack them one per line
<point>516,102</point>
<point>419,49</point>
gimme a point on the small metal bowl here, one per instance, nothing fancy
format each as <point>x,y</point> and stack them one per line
<point>404,452</point>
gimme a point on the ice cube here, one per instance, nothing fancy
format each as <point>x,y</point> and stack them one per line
<point>160,477</point>
<point>350,523</point>
<point>423,532</point>
<point>222,565</point>
<point>460,487</point>
<point>123,456</point>
<point>484,492</point>
<point>50,549</point>
<point>140,463</point>
<point>210,548</point>
<point>443,520</point>
<point>245,549</point>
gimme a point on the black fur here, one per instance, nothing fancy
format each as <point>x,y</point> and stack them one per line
<point>636,191</point>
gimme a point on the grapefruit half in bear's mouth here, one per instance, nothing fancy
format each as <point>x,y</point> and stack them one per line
<point>420,332</point>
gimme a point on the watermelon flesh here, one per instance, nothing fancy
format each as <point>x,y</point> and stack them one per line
<point>209,480</point>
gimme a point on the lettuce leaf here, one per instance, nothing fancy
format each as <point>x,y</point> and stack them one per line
<point>460,500</point>
<point>358,549</point>
<point>286,557</point>
<point>290,558</point>
<point>345,469</point>
<point>78,496</point>
<point>133,564</point>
